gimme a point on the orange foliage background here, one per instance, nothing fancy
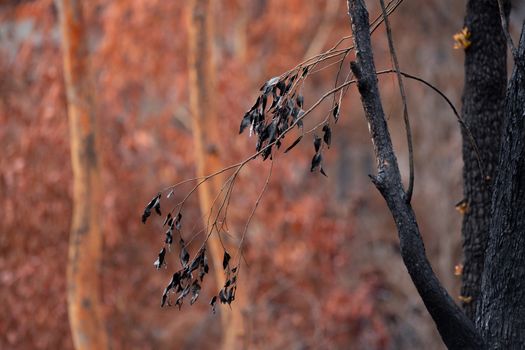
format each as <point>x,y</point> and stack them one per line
<point>323,265</point>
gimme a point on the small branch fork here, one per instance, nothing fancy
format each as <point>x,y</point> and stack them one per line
<point>456,330</point>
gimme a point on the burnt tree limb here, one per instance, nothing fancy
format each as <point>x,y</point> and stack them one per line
<point>501,318</point>
<point>455,328</point>
<point>482,110</point>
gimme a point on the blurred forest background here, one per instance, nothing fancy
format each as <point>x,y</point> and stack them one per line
<point>323,269</point>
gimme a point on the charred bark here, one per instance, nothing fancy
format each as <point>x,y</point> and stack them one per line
<point>502,310</point>
<point>456,330</point>
<point>482,111</point>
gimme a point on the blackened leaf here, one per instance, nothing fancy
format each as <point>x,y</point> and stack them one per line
<point>178,224</point>
<point>327,137</point>
<point>246,121</point>
<point>317,143</point>
<point>213,302</point>
<point>299,119</point>
<point>145,215</point>
<point>169,236</point>
<point>157,209</point>
<point>294,144</point>
<point>266,153</point>
<point>154,201</point>
<point>225,260</point>
<point>196,262</point>
<point>271,131</point>
<point>335,112</point>
<point>316,161</point>
<point>160,260</point>
<point>322,172</point>
<point>152,204</point>
<point>205,263</point>
<point>175,280</point>
<point>264,101</point>
<point>168,218</point>
<point>223,296</point>
<point>275,100</point>
<point>181,296</point>
<point>230,295</point>
<point>281,85</point>
<point>164,297</point>
<point>288,86</point>
<point>184,256</point>
<point>300,100</point>
<point>305,71</point>
<point>268,86</point>
<point>195,290</point>
<point>295,112</point>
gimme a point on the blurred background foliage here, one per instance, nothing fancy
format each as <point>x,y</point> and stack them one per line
<point>323,269</point>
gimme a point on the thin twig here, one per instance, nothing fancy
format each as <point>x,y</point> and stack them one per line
<point>505,28</point>
<point>395,62</point>
<point>458,117</point>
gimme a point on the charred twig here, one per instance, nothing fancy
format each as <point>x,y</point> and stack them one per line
<point>505,27</point>
<point>410,188</point>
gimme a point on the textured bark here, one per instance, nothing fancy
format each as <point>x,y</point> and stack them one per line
<point>85,242</point>
<point>483,102</point>
<point>205,126</point>
<point>456,330</point>
<point>502,310</point>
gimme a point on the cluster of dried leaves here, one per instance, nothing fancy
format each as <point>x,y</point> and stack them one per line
<point>272,122</point>
<point>187,280</point>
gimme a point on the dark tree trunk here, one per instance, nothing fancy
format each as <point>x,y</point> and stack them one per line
<point>483,101</point>
<point>502,310</point>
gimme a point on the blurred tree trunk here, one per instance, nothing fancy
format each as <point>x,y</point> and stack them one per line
<point>205,130</point>
<point>240,30</point>
<point>85,242</point>
<point>482,111</point>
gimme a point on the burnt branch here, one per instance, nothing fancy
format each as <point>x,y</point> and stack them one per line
<point>456,330</point>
